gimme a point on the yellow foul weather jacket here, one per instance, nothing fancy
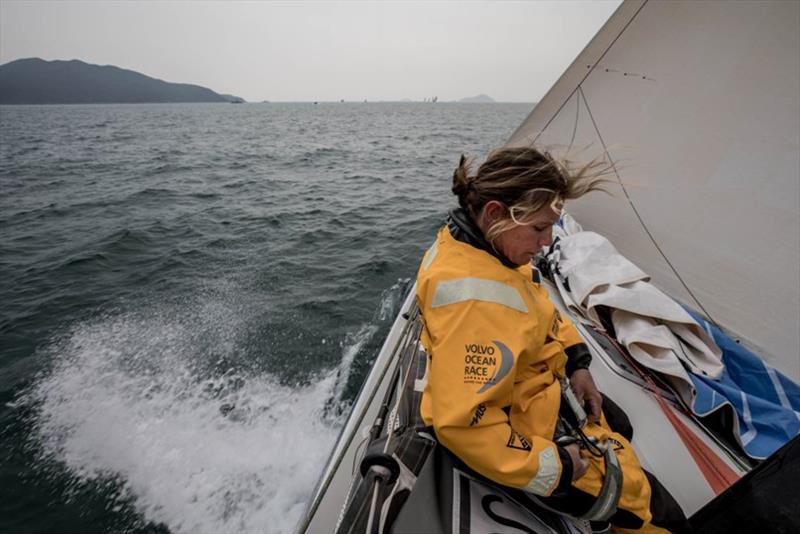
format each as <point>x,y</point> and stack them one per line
<point>497,348</point>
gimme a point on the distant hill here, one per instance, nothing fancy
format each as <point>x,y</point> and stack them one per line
<point>480,99</point>
<point>36,81</point>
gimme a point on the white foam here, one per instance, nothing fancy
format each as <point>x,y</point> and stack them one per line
<point>127,399</point>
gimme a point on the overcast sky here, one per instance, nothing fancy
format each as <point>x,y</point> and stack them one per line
<point>301,51</point>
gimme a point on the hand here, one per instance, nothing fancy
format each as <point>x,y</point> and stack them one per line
<point>587,394</point>
<point>579,463</point>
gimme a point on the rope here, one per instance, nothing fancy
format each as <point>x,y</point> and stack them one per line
<point>716,472</point>
<point>638,215</point>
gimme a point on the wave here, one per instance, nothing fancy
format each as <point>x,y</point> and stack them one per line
<point>154,404</point>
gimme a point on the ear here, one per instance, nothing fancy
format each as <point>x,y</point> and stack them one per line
<point>493,211</point>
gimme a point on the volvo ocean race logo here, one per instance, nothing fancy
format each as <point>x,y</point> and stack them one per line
<point>486,364</point>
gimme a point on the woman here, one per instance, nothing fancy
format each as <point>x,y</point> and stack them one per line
<point>498,348</point>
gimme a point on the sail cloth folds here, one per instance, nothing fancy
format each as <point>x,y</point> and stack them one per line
<point>708,370</point>
<point>656,330</point>
<point>765,404</point>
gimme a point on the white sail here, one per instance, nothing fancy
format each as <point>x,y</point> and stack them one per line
<point>698,107</point>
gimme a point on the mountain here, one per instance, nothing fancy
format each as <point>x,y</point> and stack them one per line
<point>36,81</point>
<point>480,99</point>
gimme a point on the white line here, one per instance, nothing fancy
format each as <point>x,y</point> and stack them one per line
<point>776,383</point>
<point>751,433</point>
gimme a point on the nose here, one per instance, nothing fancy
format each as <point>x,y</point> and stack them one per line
<point>546,238</point>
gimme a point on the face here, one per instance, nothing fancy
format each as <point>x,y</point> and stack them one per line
<point>523,242</point>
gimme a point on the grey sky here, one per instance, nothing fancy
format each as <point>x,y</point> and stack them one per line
<point>300,51</point>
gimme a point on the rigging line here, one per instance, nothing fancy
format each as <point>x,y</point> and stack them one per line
<point>638,215</point>
<point>591,70</point>
<point>575,126</point>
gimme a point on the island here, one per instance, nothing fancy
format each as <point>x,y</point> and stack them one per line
<point>479,99</point>
<point>36,81</point>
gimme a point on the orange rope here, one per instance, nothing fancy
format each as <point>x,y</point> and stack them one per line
<point>716,472</point>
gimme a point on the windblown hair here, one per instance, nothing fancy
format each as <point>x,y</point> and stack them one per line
<point>525,180</point>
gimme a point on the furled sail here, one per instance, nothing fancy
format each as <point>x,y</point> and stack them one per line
<point>698,107</point>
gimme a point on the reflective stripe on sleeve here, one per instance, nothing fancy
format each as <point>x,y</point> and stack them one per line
<point>546,478</point>
<point>463,289</point>
<point>430,255</point>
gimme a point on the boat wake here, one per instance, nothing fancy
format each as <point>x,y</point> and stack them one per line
<point>133,400</point>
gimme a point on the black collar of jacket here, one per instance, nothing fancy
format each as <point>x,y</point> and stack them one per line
<point>463,229</point>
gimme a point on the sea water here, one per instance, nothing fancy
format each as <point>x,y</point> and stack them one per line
<point>191,296</point>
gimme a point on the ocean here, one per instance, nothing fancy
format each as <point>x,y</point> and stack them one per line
<point>191,296</point>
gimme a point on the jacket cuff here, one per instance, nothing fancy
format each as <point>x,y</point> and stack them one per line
<point>578,357</point>
<point>566,473</point>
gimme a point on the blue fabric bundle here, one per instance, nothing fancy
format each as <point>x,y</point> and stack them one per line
<point>766,402</point>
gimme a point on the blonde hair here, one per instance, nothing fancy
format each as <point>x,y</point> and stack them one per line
<point>525,180</point>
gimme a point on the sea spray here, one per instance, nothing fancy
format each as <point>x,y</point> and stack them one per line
<point>134,401</point>
<point>355,343</point>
